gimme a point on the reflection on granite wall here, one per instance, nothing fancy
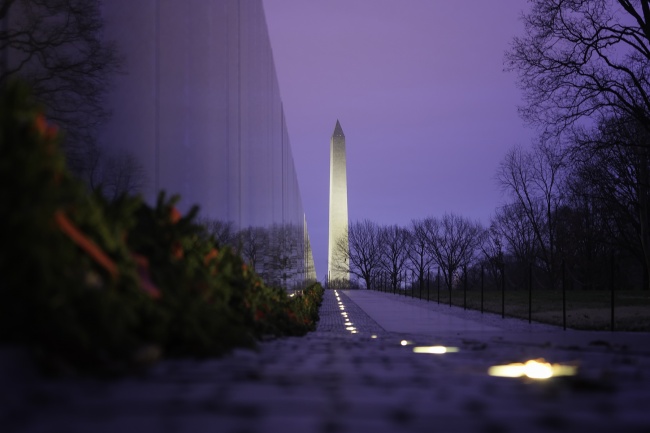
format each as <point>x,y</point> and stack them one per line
<point>199,106</point>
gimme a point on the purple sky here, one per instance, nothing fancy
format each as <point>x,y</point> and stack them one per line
<point>419,88</point>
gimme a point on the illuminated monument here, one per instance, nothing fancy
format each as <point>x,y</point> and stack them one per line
<point>338,222</point>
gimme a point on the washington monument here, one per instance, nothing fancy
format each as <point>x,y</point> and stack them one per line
<point>338,222</point>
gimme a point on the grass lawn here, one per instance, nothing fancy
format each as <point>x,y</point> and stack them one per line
<point>584,309</point>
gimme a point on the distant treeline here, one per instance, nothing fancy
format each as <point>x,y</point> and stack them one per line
<point>580,205</point>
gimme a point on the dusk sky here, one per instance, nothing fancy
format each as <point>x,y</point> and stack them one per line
<point>419,88</point>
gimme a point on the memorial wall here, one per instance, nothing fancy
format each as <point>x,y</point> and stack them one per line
<point>199,108</point>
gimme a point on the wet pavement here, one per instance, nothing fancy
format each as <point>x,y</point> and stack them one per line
<point>358,375</point>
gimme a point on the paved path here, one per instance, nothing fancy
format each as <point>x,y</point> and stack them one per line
<point>358,377</point>
<point>417,318</point>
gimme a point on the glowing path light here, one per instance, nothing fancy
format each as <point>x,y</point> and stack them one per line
<point>405,342</point>
<point>437,350</point>
<point>533,369</point>
<point>348,324</point>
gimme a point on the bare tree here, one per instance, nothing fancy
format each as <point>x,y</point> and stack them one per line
<point>584,59</point>
<point>453,241</point>
<point>511,224</point>
<point>57,46</point>
<point>417,251</point>
<point>112,175</point>
<point>534,179</point>
<point>223,232</point>
<point>121,174</point>
<point>283,261</point>
<point>253,245</point>
<point>611,185</point>
<point>493,253</point>
<point>363,257</point>
<point>393,252</point>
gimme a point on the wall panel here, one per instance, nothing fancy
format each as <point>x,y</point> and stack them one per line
<point>200,108</point>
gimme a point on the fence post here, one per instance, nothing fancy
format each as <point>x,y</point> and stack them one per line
<point>412,283</point>
<point>611,286</point>
<point>438,285</point>
<point>398,283</point>
<point>530,292</point>
<point>503,290</point>
<point>406,283</point>
<point>563,296</point>
<point>420,280</point>
<point>482,286</point>
<point>450,284</point>
<point>405,277</point>
<point>428,284</point>
<point>464,287</point>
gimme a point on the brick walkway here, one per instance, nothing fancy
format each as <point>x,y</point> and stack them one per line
<point>358,380</point>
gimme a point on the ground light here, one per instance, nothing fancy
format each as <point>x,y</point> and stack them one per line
<point>533,369</point>
<point>437,350</point>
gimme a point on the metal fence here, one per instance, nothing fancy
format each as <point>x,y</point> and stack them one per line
<point>527,292</point>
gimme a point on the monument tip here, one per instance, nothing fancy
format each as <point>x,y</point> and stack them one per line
<point>338,131</point>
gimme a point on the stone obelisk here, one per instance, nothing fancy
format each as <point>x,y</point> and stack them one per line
<point>338,222</point>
